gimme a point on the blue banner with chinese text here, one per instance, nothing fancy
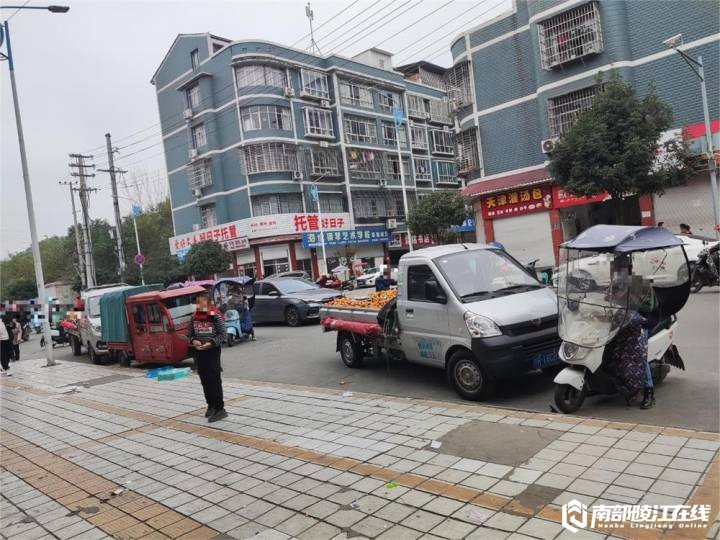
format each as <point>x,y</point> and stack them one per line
<point>345,237</point>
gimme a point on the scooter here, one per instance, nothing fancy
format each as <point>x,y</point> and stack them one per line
<point>633,271</point>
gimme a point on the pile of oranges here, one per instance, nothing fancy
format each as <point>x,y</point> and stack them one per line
<point>375,301</point>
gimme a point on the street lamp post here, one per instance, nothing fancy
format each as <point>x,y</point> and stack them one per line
<point>697,66</point>
<point>37,261</point>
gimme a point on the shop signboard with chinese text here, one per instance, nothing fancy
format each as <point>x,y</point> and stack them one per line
<point>399,240</point>
<point>563,199</point>
<point>517,202</point>
<point>345,237</point>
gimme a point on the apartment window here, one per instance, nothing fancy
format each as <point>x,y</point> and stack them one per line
<point>418,134</point>
<point>365,164</point>
<point>208,217</point>
<point>318,122</point>
<point>200,175</point>
<point>388,101</point>
<point>572,34</point>
<point>277,203</point>
<point>193,97</point>
<point>390,135</point>
<point>270,157</point>
<point>360,130</point>
<point>442,142</point>
<point>422,169</point>
<point>199,137</point>
<point>398,206</point>
<point>324,162</point>
<point>458,83</point>
<point>315,83</point>
<point>393,167</point>
<point>332,203</point>
<point>417,106</point>
<point>260,75</point>
<point>195,58</point>
<point>369,204</point>
<point>564,110</point>
<point>266,117</point>
<point>466,151</point>
<point>355,95</point>
<point>440,111</point>
<point>446,173</point>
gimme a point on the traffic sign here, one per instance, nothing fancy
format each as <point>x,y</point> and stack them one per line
<point>139,259</point>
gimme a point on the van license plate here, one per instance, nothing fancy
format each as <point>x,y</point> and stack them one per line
<point>545,359</point>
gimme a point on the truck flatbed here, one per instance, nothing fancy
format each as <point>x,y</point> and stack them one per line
<point>366,315</point>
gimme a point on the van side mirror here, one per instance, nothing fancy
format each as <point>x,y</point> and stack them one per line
<point>434,292</point>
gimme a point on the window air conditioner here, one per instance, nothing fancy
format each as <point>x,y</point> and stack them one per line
<point>547,145</point>
<point>325,103</point>
<point>297,175</point>
<point>188,114</point>
<point>289,92</point>
<point>193,153</point>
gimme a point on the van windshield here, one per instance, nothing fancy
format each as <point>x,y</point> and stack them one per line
<point>484,273</point>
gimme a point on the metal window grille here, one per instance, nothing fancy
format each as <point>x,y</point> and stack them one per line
<point>199,138</point>
<point>360,130</point>
<point>208,217</point>
<point>440,111</point>
<point>393,167</point>
<point>442,142</point>
<point>417,106</point>
<point>432,79</point>
<point>467,150</point>
<point>330,202</point>
<point>315,83</point>
<point>390,135</point>
<point>422,169</point>
<point>270,157</point>
<point>572,34</point>
<point>355,95</point>
<point>193,96</point>
<point>318,122</point>
<point>388,101</point>
<point>399,203</point>
<point>370,204</point>
<point>260,75</point>
<point>365,164</point>
<point>458,84</point>
<point>200,175</point>
<point>419,137</point>
<point>446,173</point>
<point>564,110</point>
<point>266,117</point>
<point>277,203</point>
<point>324,162</point>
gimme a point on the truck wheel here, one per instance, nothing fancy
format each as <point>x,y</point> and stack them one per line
<point>467,377</point>
<point>292,316</point>
<point>124,359</point>
<point>568,398</point>
<point>76,346</point>
<point>94,358</point>
<point>350,351</point>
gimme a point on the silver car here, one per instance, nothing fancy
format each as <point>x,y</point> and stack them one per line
<point>294,301</point>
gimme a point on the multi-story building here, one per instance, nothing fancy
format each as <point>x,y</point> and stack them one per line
<point>518,83</point>
<point>268,147</point>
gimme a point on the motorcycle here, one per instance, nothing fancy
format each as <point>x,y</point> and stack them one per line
<point>612,277</point>
<point>706,271</point>
<point>59,336</point>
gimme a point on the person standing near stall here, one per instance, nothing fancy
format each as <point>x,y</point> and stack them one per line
<point>206,332</point>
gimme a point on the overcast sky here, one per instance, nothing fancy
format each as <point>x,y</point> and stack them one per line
<point>87,72</point>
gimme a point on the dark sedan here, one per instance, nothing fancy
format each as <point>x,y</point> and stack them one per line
<point>294,301</point>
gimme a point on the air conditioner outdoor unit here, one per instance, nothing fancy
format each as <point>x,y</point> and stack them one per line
<point>411,123</point>
<point>392,223</point>
<point>297,175</point>
<point>289,92</point>
<point>382,182</point>
<point>325,103</point>
<point>547,145</point>
<point>193,153</point>
<point>324,144</point>
<point>196,227</point>
<point>197,193</point>
<point>446,128</point>
<point>427,116</point>
<point>188,114</point>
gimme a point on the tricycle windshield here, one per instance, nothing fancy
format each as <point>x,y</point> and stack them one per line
<point>180,308</point>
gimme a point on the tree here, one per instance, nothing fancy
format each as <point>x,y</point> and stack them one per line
<point>615,147</point>
<point>207,258</point>
<point>437,212</point>
<point>22,289</point>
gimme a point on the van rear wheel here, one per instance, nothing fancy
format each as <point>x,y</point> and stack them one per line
<point>468,377</point>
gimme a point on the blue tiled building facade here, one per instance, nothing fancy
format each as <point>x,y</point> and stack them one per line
<point>519,80</point>
<point>252,129</point>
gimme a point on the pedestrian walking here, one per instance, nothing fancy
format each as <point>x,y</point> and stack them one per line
<point>206,333</point>
<point>5,346</point>
<point>16,339</point>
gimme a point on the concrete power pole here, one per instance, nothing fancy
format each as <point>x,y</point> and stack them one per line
<point>78,245</point>
<point>84,205</point>
<point>116,204</point>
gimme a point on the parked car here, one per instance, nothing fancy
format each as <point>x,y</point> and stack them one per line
<point>300,274</point>
<point>292,300</point>
<point>694,244</point>
<point>368,277</point>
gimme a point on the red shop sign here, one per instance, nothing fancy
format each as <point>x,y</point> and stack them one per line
<point>517,202</point>
<point>563,199</point>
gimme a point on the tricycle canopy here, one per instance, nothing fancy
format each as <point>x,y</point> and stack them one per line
<point>228,293</point>
<point>623,238</point>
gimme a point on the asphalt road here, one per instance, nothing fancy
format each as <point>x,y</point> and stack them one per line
<point>306,356</point>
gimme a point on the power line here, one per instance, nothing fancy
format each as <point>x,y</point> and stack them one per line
<point>350,20</point>
<point>18,10</point>
<point>324,23</point>
<point>329,45</point>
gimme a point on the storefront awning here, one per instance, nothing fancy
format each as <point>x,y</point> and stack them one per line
<point>497,184</point>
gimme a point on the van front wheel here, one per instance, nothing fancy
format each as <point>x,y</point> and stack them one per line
<point>467,377</point>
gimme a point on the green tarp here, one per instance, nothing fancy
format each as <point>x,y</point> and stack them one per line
<point>113,318</point>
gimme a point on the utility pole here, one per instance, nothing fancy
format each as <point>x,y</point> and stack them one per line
<point>116,204</point>
<point>84,205</point>
<point>398,120</point>
<point>78,246</point>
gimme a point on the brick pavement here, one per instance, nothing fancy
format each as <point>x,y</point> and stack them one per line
<point>96,452</point>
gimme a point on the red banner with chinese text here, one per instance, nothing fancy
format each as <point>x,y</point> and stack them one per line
<point>563,199</point>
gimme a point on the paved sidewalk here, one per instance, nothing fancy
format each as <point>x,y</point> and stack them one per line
<point>95,452</point>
